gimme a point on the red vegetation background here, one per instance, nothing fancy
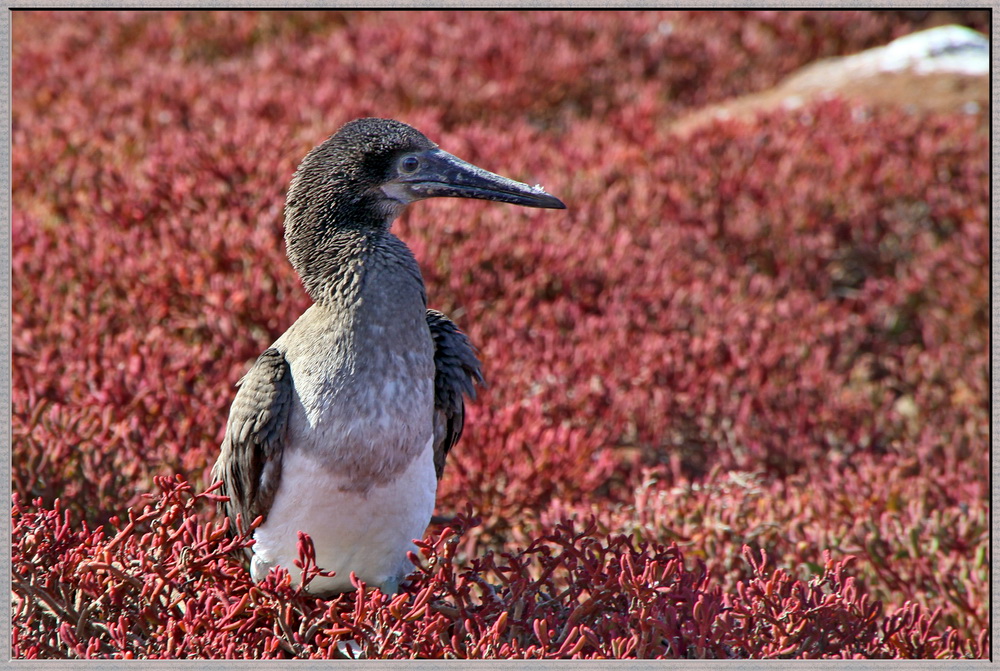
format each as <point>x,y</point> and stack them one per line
<point>738,391</point>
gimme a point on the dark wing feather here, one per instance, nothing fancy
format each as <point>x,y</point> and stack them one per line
<point>249,464</point>
<point>456,369</point>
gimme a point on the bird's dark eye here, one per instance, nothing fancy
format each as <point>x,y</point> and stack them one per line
<point>409,164</point>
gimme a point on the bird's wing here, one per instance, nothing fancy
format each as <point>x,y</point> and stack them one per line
<point>456,370</point>
<point>249,464</point>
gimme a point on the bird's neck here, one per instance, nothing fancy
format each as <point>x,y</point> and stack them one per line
<point>338,267</point>
<point>328,261</point>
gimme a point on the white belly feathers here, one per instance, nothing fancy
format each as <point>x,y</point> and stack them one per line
<point>368,533</point>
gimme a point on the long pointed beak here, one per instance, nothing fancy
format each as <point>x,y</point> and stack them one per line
<point>440,174</point>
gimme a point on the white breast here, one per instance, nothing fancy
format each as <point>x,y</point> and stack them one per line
<point>368,533</point>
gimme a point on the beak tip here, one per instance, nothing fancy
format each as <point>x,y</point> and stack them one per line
<point>546,200</point>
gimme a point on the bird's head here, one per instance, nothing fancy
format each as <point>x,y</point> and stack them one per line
<point>367,172</point>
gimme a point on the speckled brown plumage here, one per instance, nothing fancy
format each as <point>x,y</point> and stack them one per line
<point>456,369</point>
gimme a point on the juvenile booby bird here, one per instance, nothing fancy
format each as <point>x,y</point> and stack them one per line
<point>340,429</point>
